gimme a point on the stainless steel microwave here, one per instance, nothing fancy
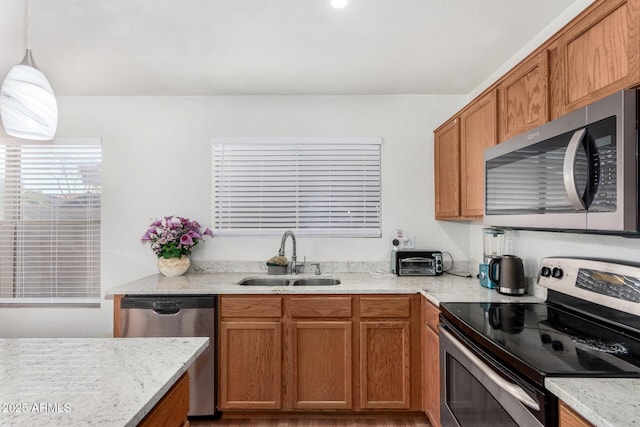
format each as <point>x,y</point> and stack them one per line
<point>577,173</point>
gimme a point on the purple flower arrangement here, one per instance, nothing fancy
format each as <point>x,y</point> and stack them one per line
<point>174,236</point>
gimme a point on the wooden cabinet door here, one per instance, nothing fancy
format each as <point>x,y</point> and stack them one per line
<point>432,376</point>
<point>385,365</point>
<point>478,131</point>
<point>250,365</point>
<point>447,170</point>
<point>523,97</point>
<point>431,363</point>
<point>172,409</point>
<point>322,364</point>
<point>600,53</point>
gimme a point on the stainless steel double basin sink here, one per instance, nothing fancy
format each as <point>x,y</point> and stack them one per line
<point>281,281</point>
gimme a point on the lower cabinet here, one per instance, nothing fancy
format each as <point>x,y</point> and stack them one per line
<point>569,418</point>
<point>322,365</point>
<point>431,363</point>
<point>250,353</point>
<point>351,353</point>
<point>172,409</point>
<point>385,352</point>
<point>385,365</point>
<point>321,352</point>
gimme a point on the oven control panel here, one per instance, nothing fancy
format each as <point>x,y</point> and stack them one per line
<point>608,283</point>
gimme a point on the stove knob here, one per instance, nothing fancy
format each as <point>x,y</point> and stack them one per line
<point>557,273</point>
<point>545,272</point>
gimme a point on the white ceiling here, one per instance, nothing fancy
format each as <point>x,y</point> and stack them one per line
<point>230,47</point>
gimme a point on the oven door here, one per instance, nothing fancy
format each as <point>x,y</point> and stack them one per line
<point>476,392</point>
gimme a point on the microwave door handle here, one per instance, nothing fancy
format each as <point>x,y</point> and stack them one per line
<point>568,170</point>
<point>514,390</point>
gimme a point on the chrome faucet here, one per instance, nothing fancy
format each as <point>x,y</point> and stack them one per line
<point>294,267</point>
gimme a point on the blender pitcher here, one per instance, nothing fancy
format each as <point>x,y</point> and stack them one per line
<point>493,246</point>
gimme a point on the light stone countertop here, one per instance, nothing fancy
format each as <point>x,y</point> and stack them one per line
<point>89,381</point>
<point>437,289</point>
<point>604,402</point>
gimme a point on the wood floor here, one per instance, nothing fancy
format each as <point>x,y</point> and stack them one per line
<point>315,422</point>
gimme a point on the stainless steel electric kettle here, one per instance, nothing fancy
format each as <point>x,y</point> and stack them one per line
<point>507,272</point>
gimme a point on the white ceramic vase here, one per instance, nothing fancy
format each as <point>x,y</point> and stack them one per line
<point>173,267</point>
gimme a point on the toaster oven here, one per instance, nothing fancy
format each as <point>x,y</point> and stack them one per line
<point>418,263</point>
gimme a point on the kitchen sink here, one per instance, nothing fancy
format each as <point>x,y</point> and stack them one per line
<point>266,281</point>
<point>316,281</point>
<point>278,281</point>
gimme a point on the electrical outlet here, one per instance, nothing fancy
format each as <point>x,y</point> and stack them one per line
<point>401,240</point>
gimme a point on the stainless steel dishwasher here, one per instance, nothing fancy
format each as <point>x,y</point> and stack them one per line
<point>179,316</point>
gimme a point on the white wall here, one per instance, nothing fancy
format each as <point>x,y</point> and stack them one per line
<point>156,155</point>
<point>534,245</point>
<point>156,163</point>
<point>553,27</point>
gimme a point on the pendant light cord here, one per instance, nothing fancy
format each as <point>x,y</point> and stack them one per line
<point>28,21</point>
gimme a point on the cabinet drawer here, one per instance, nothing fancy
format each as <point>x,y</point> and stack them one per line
<point>385,307</point>
<point>321,307</point>
<point>431,316</point>
<point>250,306</point>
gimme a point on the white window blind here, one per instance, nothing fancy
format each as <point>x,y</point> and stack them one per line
<point>322,187</point>
<point>50,222</point>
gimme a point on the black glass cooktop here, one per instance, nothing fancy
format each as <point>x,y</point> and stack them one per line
<point>542,340</point>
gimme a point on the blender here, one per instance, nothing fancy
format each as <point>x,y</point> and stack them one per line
<point>493,246</point>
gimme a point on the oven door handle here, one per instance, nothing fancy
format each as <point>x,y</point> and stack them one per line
<point>513,389</point>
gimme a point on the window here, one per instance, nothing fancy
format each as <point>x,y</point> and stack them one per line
<point>50,222</point>
<point>323,187</point>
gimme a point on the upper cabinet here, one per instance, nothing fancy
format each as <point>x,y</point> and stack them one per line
<point>458,155</point>
<point>447,170</point>
<point>594,55</point>
<point>478,132</point>
<point>523,97</point>
<point>599,54</point>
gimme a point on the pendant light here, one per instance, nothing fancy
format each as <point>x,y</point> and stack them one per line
<point>27,103</point>
<point>339,4</point>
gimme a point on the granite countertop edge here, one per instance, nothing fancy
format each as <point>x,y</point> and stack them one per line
<point>604,402</point>
<point>164,389</point>
<point>436,289</point>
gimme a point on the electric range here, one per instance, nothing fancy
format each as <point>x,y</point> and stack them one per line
<point>588,327</point>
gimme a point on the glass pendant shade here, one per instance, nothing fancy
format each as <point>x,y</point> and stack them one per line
<point>27,103</point>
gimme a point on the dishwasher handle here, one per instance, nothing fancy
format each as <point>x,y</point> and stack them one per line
<point>166,308</point>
